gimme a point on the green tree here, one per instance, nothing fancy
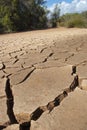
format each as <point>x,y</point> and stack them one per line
<point>55,15</point>
<point>21,15</point>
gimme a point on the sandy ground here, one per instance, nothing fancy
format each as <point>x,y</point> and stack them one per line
<point>39,65</point>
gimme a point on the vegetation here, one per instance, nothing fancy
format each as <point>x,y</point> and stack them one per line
<point>55,15</point>
<point>21,15</point>
<point>74,20</point>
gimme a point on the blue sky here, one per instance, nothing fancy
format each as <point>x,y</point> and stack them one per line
<point>68,6</point>
<point>51,2</point>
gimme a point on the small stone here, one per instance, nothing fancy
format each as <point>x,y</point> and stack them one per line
<point>1,66</point>
<point>84,84</point>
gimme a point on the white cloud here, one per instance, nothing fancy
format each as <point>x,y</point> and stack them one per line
<point>74,6</point>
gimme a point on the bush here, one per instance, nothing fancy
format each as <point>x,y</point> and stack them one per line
<point>1,28</point>
<point>22,15</point>
<point>76,21</point>
<point>73,20</point>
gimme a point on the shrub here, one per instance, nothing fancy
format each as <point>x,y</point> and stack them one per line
<point>73,20</point>
<point>1,29</point>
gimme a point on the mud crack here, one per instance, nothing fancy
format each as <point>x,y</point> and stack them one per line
<point>43,49</point>
<point>16,60</point>
<point>69,56</point>
<point>25,121</point>
<point>3,66</point>
<point>27,76</point>
<point>45,60</point>
<point>56,102</point>
<point>1,97</point>
<point>82,62</point>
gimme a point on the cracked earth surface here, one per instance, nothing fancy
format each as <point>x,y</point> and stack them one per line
<point>39,65</point>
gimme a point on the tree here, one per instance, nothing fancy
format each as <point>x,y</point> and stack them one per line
<point>21,15</point>
<point>55,15</point>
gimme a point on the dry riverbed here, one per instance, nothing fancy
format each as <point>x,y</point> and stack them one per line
<point>39,66</point>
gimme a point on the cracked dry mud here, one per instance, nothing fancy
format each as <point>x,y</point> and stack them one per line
<point>39,66</point>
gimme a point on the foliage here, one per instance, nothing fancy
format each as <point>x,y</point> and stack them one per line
<point>21,15</point>
<point>74,20</point>
<point>1,28</point>
<point>55,15</point>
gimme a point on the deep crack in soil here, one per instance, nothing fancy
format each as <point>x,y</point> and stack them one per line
<point>25,122</point>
